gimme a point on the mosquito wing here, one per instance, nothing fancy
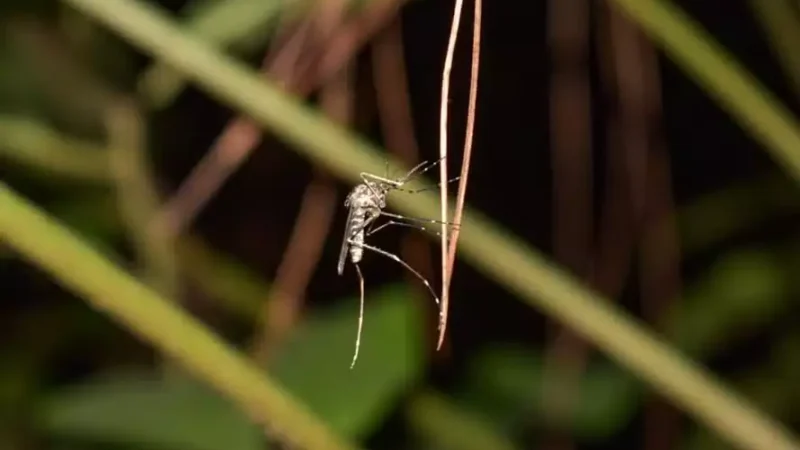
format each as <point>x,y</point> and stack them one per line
<point>345,243</point>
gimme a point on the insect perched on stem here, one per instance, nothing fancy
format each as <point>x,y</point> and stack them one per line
<point>366,203</point>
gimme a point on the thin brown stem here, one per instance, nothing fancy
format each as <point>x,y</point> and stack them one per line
<point>634,107</point>
<point>660,282</point>
<point>443,109</point>
<point>465,165</point>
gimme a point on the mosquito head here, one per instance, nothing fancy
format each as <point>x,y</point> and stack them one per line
<point>382,188</point>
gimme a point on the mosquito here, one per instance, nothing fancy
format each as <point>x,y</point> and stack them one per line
<point>366,203</point>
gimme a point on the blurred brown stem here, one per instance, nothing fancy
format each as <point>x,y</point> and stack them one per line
<point>282,308</point>
<point>659,254</point>
<point>286,63</point>
<point>660,282</point>
<point>572,195</point>
<point>633,69</point>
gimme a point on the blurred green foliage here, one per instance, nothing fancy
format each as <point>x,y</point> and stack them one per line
<point>143,409</point>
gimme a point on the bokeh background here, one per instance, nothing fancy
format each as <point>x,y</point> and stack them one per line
<point>591,145</point>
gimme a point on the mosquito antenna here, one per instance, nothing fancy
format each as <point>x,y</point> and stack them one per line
<point>416,168</point>
<point>421,168</point>
<point>360,316</point>
<point>415,191</point>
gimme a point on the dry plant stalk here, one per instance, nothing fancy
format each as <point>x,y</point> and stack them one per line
<point>448,253</point>
<point>443,108</point>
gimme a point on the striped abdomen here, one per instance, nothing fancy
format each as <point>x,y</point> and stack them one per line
<point>356,233</point>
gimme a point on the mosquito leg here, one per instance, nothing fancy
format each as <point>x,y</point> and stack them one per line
<point>360,315</point>
<point>402,224</point>
<point>404,264</point>
<point>414,219</point>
